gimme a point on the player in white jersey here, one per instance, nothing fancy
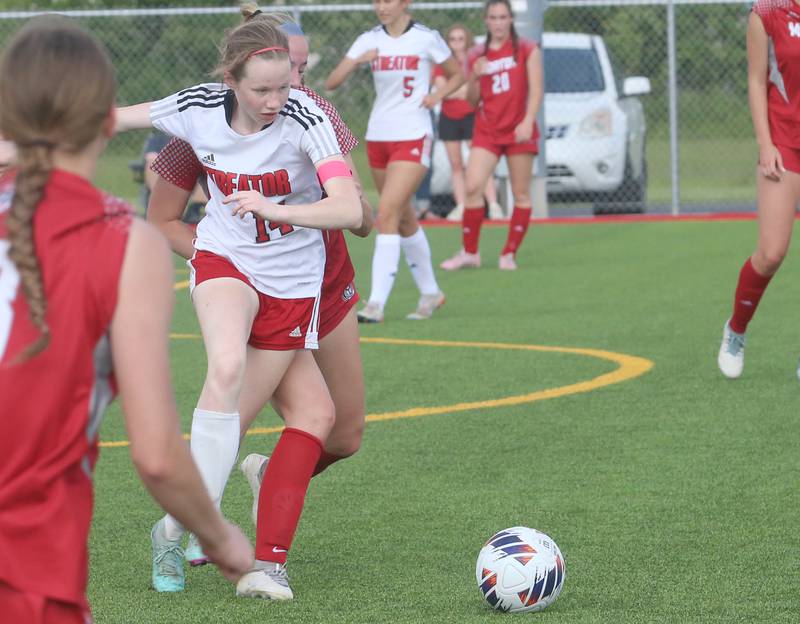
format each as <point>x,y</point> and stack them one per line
<point>401,54</point>
<point>256,275</point>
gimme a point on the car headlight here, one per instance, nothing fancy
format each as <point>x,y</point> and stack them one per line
<point>597,124</point>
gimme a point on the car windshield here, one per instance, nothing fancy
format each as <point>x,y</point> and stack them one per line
<point>572,70</point>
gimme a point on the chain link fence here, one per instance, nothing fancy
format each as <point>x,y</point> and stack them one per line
<point>610,142</point>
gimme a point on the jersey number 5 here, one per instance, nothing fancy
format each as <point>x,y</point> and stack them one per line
<point>9,282</point>
<point>408,86</point>
<point>501,83</point>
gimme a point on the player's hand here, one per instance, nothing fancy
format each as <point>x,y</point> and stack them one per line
<point>233,555</point>
<point>770,162</point>
<point>255,203</point>
<point>368,56</point>
<point>430,101</point>
<point>524,131</point>
<point>479,67</point>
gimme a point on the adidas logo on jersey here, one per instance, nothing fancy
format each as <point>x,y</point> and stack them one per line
<point>296,333</point>
<point>209,159</point>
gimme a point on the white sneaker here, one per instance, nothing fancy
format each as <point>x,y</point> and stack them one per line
<point>462,260</point>
<point>731,353</point>
<point>271,583</point>
<point>457,213</point>
<point>370,313</point>
<point>428,304</point>
<point>253,467</point>
<point>507,262</point>
<point>496,211</point>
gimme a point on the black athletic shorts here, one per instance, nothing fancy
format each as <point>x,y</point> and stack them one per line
<point>456,129</point>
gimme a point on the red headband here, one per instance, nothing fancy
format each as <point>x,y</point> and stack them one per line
<point>273,49</point>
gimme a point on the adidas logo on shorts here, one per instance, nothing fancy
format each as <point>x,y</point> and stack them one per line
<point>296,333</point>
<point>209,159</point>
<point>415,151</point>
<point>348,292</point>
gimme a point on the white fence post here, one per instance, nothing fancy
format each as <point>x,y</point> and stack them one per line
<point>674,161</point>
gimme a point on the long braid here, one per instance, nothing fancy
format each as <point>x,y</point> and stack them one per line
<point>35,165</point>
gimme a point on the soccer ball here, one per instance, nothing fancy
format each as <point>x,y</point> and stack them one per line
<point>520,569</point>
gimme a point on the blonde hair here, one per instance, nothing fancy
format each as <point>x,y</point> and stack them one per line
<point>467,35</point>
<point>258,31</point>
<point>56,89</point>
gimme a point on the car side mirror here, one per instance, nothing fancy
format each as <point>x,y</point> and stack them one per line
<point>636,85</point>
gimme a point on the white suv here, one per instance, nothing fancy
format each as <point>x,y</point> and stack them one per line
<point>595,128</point>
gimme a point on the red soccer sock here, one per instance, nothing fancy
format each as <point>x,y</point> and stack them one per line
<point>325,460</point>
<point>749,289</point>
<point>283,492</point>
<point>520,220</point>
<point>473,218</point>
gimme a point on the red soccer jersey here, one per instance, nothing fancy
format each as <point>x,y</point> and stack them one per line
<point>781,19</point>
<point>178,164</point>
<point>453,107</point>
<point>52,403</point>
<point>504,90</point>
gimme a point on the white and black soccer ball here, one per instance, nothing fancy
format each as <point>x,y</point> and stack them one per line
<point>519,570</point>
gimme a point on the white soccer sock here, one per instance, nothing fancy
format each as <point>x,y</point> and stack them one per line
<point>384,267</point>
<point>214,446</point>
<point>418,256</point>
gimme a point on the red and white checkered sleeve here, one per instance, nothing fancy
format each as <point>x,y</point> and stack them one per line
<point>344,136</point>
<point>177,164</point>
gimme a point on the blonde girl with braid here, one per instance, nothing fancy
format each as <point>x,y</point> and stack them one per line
<point>85,298</point>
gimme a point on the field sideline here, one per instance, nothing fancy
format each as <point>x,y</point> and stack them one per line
<point>672,494</point>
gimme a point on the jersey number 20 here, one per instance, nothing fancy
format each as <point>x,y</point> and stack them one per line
<point>501,83</point>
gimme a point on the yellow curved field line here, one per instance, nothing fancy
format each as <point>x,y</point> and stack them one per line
<point>628,367</point>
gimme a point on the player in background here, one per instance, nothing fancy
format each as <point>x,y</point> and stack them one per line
<point>401,53</point>
<point>506,78</point>
<point>773,69</point>
<point>85,298</point>
<point>177,171</point>
<point>256,277</point>
<point>456,121</point>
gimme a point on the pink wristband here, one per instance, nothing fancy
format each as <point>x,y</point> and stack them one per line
<point>333,169</point>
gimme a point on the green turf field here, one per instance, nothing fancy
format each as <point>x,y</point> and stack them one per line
<point>673,495</point>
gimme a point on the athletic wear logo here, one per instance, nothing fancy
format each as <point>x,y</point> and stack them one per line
<point>209,159</point>
<point>794,29</point>
<point>275,549</point>
<point>348,292</point>
<point>296,333</point>
<point>415,151</point>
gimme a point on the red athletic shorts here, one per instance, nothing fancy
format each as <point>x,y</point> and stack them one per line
<point>381,153</point>
<point>481,138</point>
<point>280,324</point>
<point>338,289</point>
<point>20,606</point>
<point>791,158</point>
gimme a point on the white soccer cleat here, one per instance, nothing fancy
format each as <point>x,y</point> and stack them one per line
<point>428,304</point>
<point>496,211</point>
<point>194,552</point>
<point>456,214</point>
<point>462,260</point>
<point>370,313</point>
<point>271,583</point>
<point>731,353</point>
<point>507,262</point>
<point>253,467</point>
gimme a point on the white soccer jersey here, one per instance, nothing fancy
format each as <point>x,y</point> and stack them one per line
<point>279,260</point>
<point>402,77</point>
